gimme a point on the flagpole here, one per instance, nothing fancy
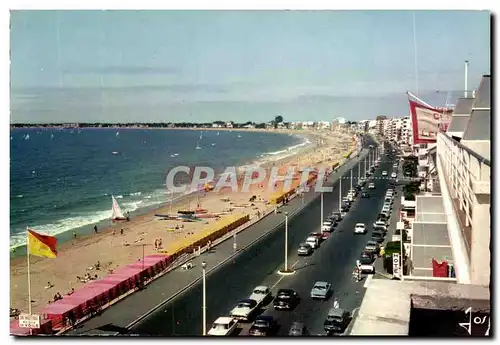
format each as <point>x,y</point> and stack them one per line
<point>29,276</point>
<point>29,272</point>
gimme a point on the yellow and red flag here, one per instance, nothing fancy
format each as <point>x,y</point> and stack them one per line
<point>41,245</point>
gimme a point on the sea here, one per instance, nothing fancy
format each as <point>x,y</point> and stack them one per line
<point>61,180</point>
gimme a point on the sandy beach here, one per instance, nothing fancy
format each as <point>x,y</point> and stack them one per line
<point>113,249</point>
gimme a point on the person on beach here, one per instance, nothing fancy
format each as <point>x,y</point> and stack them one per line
<point>74,234</point>
<point>121,231</point>
<point>95,229</point>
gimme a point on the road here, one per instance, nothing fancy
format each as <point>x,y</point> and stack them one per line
<point>258,265</point>
<point>123,314</point>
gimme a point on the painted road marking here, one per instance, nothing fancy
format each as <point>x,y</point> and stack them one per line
<point>281,278</point>
<point>367,281</point>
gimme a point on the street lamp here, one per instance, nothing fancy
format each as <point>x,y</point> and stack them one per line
<point>204,301</point>
<point>286,270</point>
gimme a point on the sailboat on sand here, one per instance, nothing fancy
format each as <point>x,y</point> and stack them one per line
<point>116,212</point>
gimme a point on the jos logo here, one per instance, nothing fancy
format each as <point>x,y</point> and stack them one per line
<point>477,320</point>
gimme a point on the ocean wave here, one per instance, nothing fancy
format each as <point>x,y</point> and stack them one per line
<point>86,219</point>
<point>135,194</point>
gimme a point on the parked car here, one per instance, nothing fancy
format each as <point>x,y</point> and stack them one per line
<point>286,299</point>
<point>368,254</point>
<point>380,225</point>
<point>244,310</point>
<point>337,216</point>
<point>223,326</point>
<point>336,321</point>
<point>384,173</point>
<point>371,185</point>
<point>298,329</point>
<point>394,175</point>
<point>305,249</point>
<point>318,235</point>
<point>386,213</point>
<point>261,294</point>
<point>360,228</point>
<point>395,165</point>
<point>382,217</point>
<point>365,195</point>
<point>264,325</point>
<point>321,290</point>
<point>366,263</point>
<point>313,241</point>
<point>378,236</point>
<point>327,226</point>
<point>372,246</point>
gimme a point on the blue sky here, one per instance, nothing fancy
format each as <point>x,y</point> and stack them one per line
<point>237,65</point>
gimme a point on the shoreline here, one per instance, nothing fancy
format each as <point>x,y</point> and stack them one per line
<point>19,250</point>
<point>75,257</point>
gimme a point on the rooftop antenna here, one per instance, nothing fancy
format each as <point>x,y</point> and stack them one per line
<point>466,76</point>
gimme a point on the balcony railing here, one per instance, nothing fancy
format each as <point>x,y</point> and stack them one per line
<point>467,174</point>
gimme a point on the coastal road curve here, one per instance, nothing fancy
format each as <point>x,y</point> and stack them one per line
<point>258,265</point>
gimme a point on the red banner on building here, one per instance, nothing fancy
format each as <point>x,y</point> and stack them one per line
<point>427,122</point>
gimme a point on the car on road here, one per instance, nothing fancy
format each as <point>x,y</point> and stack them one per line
<point>353,191</point>
<point>386,214</point>
<point>371,185</point>
<point>223,326</point>
<point>336,321</point>
<point>343,212</point>
<point>264,325</point>
<point>362,181</point>
<point>321,236</point>
<point>395,165</point>
<point>313,241</point>
<point>380,225</point>
<point>372,246</point>
<point>384,173</point>
<point>388,200</point>
<point>368,254</point>
<point>365,195</point>
<point>327,226</point>
<point>244,310</point>
<point>321,290</point>
<point>394,175</point>
<point>337,216</point>
<point>378,236</point>
<point>305,249</point>
<point>298,329</point>
<point>368,173</point>
<point>366,264</point>
<point>261,294</point>
<point>286,299</point>
<point>360,228</point>
<point>383,218</point>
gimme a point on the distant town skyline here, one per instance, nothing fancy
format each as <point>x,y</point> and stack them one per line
<point>196,66</point>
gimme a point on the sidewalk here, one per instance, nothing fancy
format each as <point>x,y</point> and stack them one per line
<point>127,312</point>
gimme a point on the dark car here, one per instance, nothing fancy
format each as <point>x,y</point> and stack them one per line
<point>336,321</point>
<point>378,236</point>
<point>382,217</point>
<point>298,329</point>
<point>358,187</point>
<point>264,325</point>
<point>367,255</point>
<point>332,219</point>
<point>365,195</point>
<point>336,216</point>
<point>286,299</point>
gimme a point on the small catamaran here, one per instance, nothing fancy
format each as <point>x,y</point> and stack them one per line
<point>116,212</point>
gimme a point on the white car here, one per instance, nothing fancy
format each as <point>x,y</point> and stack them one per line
<point>350,197</point>
<point>394,175</point>
<point>384,173</point>
<point>360,228</point>
<point>366,265</point>
<point>386,210</point>
<point>327,226</point>
<point>395,165</point>
<point>260,294</point>
<point>223,326</point>
<point>244,309</point>
<point>371,186</point>
<point>313,242</point>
